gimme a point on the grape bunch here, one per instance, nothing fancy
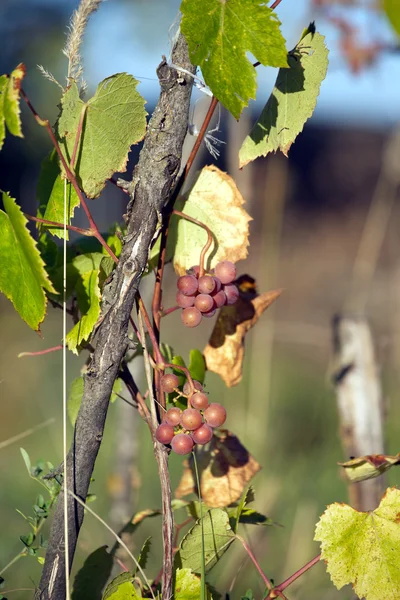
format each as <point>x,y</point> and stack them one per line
<point>182,429</point>
<point>201,296</point>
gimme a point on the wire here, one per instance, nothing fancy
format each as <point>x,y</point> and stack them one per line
<point>64,393</point>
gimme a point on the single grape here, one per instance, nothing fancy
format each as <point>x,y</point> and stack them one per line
<point>191,419</point>
<point>218,286</point>
<point>191,317</point>
<point>199,400</point>
<point>225,271</point>
<point>202,435</point>
<point>194,271</point>
<point>168,382</point>
<point>196,384</point>
<point>219,299</point>
<point>164,433</point>
<point>210,313</point>
<point>215,415</point>
<point>187,284</point>
<point>204,303</point>
<point>182,443</point>
<point>206,284</point>
<point>232,293</point>
<point>184,301</point>
<point>173,416</point>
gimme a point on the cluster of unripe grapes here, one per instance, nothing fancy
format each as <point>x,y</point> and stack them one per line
<point>182,429</point>
<point>200,296</point>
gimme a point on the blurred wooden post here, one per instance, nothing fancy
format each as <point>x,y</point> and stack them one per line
<point>359,400</point>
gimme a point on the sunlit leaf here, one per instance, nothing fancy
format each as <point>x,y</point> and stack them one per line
<point>114,119</point>
<point>224,352</point>
<point>9,103</point>
<point>23,278</point>
<point>363,548</point>
<point>367,467</point>
<point>292,101</point>
<point>218,536</point>
<point>225,469</point>
<point>188,586</point>
<point>215,201</point>
<point>221,34</point>
<point>122,588</point>
<point>392,10</point>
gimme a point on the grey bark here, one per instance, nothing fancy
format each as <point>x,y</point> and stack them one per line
<point>152,185</point>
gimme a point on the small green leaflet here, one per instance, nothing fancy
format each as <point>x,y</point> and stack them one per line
<point>188,586</point>
<point>9,103</point>
<point>50,195</point>
<point>292,101</point>
<point>114,120</point>
<point>88,297</point>
<point>392,10</point>
<point>121,588</point>
<point>23,278</point>
<point>220,34</point>
<point>363,548</point>
<point>218,536</point>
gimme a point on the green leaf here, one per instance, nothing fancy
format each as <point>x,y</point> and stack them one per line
<point>27,540</point>
<point>247,497</point>
<point>114,120</point>
<point>93,575</point>
<point>144,554</point>
<point>215,201</point>
<point>121,588</point>
<point>188,586</point>
<point>88,297</point>
<point>392,10</point>
<point>76,394</point>
<point>9,103</point>
<point>292,101</point>
<point>220,34</point>
<point>23,278</point>
<point>50,195</point>
<point>248,596</point>
<point>27,461</point>
<point>197,365</point>
<point>363,548</point>
<point>218,536</point>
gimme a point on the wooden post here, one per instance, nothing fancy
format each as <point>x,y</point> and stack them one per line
<point>359,401</point>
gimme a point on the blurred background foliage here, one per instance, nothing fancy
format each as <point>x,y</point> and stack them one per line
<point>309,216</point>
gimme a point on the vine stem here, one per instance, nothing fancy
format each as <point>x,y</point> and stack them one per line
<point>87,232</point>
<point>275,4</point>
<point>40,352</point>
<point>209,238</point>
<point>255,562</point>
<point>70,175</point>
<point>276,591</point>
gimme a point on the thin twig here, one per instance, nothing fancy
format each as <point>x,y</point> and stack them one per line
<point>40,352</point>
<point>87,232</point>
<point>282,586</point>
<point>207,245</point>
<point>26,433</point>
<point>275,4</point>
<point>255,562</point>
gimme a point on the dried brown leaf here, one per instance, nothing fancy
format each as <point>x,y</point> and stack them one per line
<point>225,468</point>
<point>224,352</point>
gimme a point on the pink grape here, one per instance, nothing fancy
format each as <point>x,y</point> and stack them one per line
<point>199,400</point>
<point>210,313</point>
<point>191,317</point>
<point>194,271</point>
<point>219,299</point>
<point>206,284</point>
<point>196,384</point>
<point>215,415</point>
<point>232,293</point>
<point>218,286</point>
<point>164,433</point>
<point>184,301</point>
<point>168,382</point>
<point>173,416</point>
<point>225,271</point>
<point>204,303</point>
<point>182,443</point>
<point>202,435</point>
<point>191,419</point>
<point>187,284</point>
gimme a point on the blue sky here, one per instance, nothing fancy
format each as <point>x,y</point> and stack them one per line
<point>132,36</point>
